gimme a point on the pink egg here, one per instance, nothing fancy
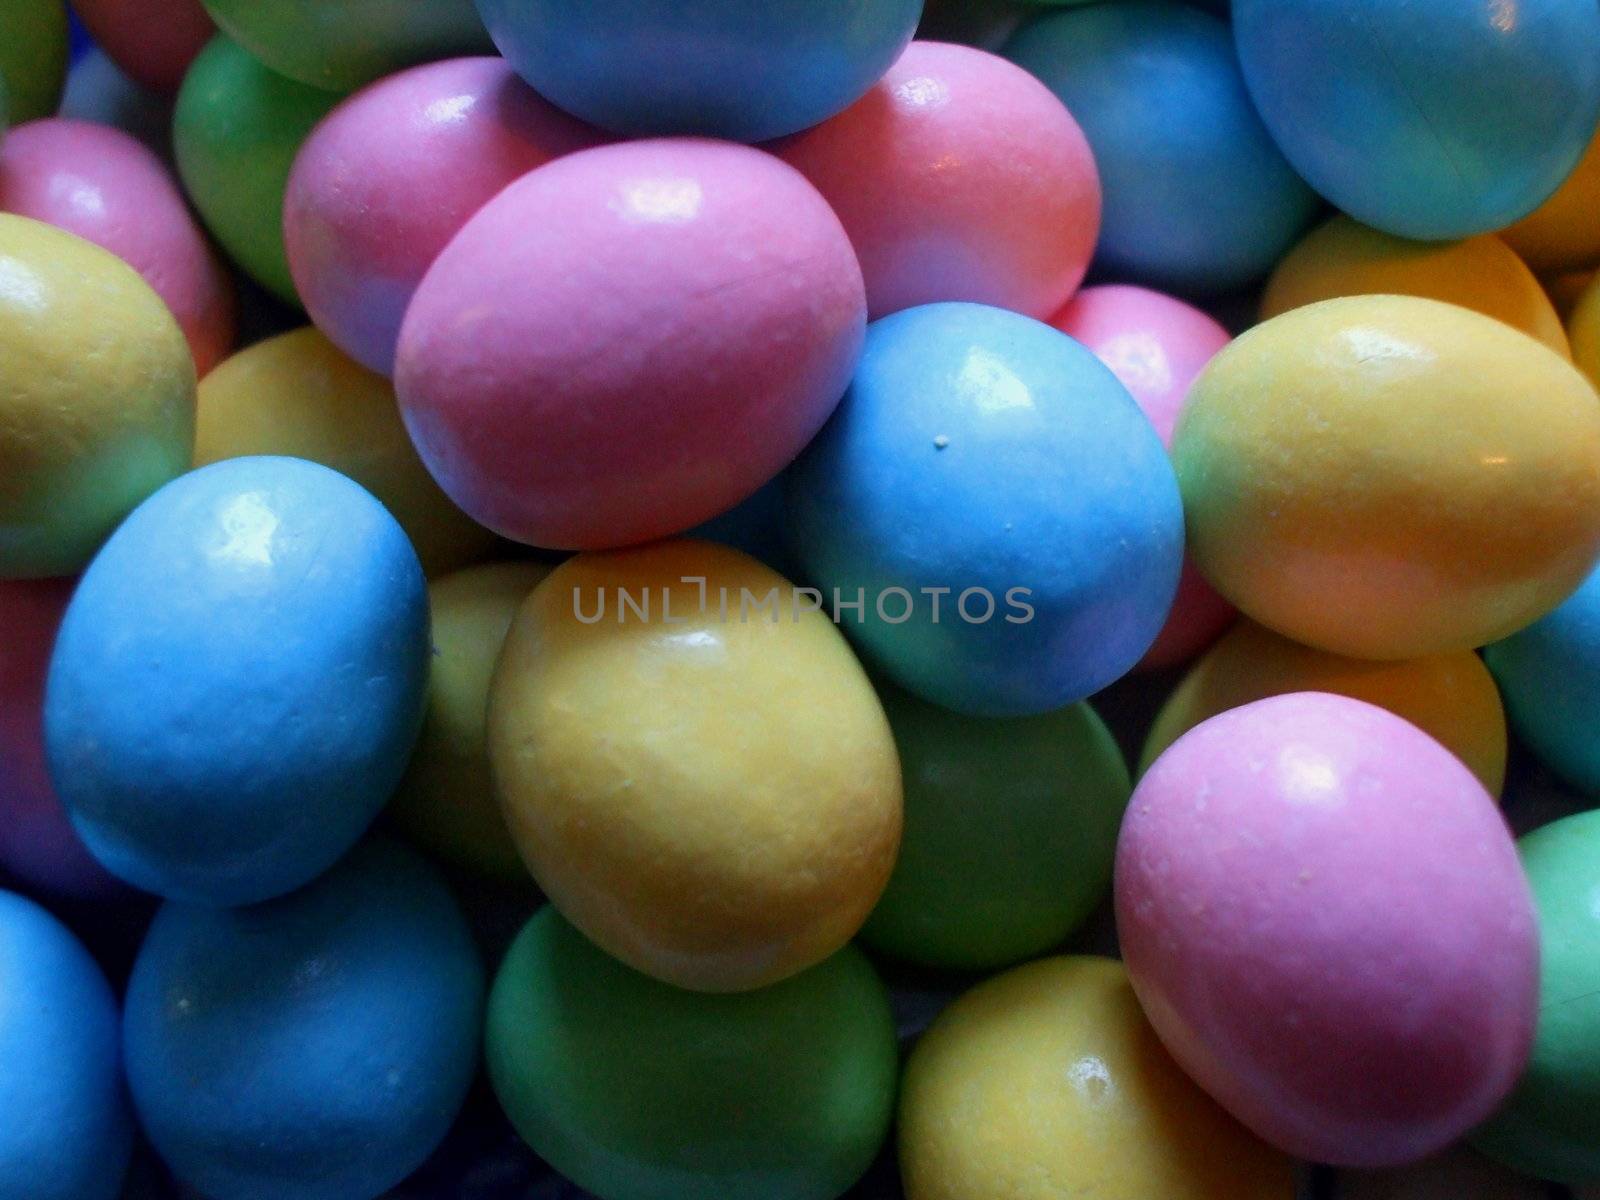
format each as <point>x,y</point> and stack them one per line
<point>959,177</point>
<point>391,175</point>
<point>1324,917</point>
<point>37,843</point>
<point>110,189</point>
<point>630,341</point>
<point>1157,346</point>
<point>153,41</point>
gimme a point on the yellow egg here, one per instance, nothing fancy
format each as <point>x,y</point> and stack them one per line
<point>297,394</point>
<point>1389,477</point>
<point>1563,233</point>
<point>96,397</point>
<point>1047,1083</point>
<point>1451,697</point>
<point>1344,258</point>
<point>706,787</point>
<point>446,803</point>
<point>1584,327</point>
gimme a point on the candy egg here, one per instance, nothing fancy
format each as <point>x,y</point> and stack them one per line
<point>705,785</point>
<point>358,241</point>
<point>67,1133</point>
<point>97,409</point>
<point>636,1090</point>
<point>1550,1128</point>
<point>723,68</point>
<point>154,41</point>
<point>1344,258</point>
<point>1047,1082</point>
<point>316,1046</point>
<point>297,395</point>
<point>238,680</point>
<point>996,509</point>
<point>33,57</point>
<point>629,341</point>
<point>1197,198</point>
<point>235,132</point>
<point>1323,915</point>
<point>950,128</point>
<point>1561,234</point>
<point>344,45</point>
<point>1390,477</point>
<point>1156,346</point>
<point>1583,328</point>
<point>1451,697</point>
<point>446,802</point>
<point>1010,828</point>
<point>104,186</point>
<point>1432,120</point>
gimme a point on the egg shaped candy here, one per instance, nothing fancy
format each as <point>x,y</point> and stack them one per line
<point>1561,234</point>
<point>67,1133</point>
<point>722,68</point>
<point>238,681</point>
<point>154,41</point>
<point>629,341</point>
<point>950,128</point>
<point>235,133</point>
<point>318,1045</point>
<point>1391,477</point>
<point>1451,697</point>
<point>1047,1081</point>
<point>97,409</point>
<point>1197,198</point>
<point>694,765</point>
<point>297,395</point>
<point>33,57</point>
<point>995,507</point>
<point>102,185</point>
<point>636,1090</point>
<point>358,241</point>
<point>1434,120</point>
<point>1324,917</point>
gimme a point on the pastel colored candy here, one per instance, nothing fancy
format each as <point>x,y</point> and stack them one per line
<point>318,1045</point>
<point>1583,328</point>
<point>1316,902</point>
<point>297,395</point>
<point>1046,1081</point>
<point>67,1133</point>
<point>344,45</point>
<point>636,1090</point>
<point>447,802</point>
<point>991,456</point>
<point>154,41</point>
<point>707,789</point>
<point>238,681</point>
<point>1451,697</point>
<point>723,68</point>
<point>1156,345</point>
<point>107,188</point>
<point>722,313</point>
<point>1010,829</point>
<point>97,409</point>
<point>33,57</point>
<point>951,128</point>
<point>1561,234</point>
<point>1197,198</point>
<point>235,133</point>
<point>1344,258</point>
<point>1390,477</point>
<point>1433,120</point>
<point>98,90</point>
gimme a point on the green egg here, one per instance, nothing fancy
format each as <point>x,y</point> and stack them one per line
<point>33,58</point>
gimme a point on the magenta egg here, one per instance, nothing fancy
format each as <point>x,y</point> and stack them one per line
<point>959,177</point>
<point>110,189</point>
<point>1157,345</point>
<point>391,175</point>
<point>629,341</point>
<point>153,41</point>
<point>1323,914</point>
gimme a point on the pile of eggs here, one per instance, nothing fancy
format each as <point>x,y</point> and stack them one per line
<point>555,556</point>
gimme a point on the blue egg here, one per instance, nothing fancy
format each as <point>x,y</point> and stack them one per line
<point>238,681</point>
<point>1549,677</point>
<point>316,1046</point>
<point>986,454</point>
<point>1430,119</point>
<point>65,1132</point>
<point>747,70</point>
<point>1196,196</point>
